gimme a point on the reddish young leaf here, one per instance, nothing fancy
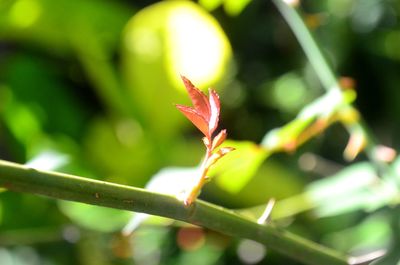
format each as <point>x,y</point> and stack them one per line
<point>217,155</point>
<point>214,110</point>
<point>205,116</point>
<point>219,139</point>
<point>199,99</point>
<point>195,118</point>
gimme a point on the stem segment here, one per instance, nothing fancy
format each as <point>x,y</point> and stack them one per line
<point>20,178</point>
<point>192,194</point>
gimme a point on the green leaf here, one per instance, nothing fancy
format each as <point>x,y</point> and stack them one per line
<point>170,180</point>
<point>210,5</point>
<point>326,105</point>
<point>233,172</point>
<point>279,136</point>
<point>123,140</point>
<point>272,180</point>
<point>356,187</point>
<point>372,233</point>
<point>53,25</point>
<point>95,217</point>
<point>235,7</point>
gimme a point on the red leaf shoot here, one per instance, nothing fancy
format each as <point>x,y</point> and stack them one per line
<point>205,116</point>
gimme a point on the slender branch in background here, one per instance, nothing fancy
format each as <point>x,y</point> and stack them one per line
<point>308,43</point>
<point>326,74</point>
<point>20,178</point>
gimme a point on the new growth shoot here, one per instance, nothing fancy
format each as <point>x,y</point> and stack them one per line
<point>205,116</point>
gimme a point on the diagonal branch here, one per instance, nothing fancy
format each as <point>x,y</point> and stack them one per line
<point>325,72</point>
<point>15,177</point>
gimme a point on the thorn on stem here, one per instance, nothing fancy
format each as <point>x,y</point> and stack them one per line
<point>267,212</point>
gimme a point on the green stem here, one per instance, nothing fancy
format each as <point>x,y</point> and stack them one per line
<point>309,45</point>
<point>324,70</point>
<point>20,178</point>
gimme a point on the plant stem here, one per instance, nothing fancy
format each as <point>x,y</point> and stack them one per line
<point>192,194</point>
<point>324,70</point>
<point>20,178</point>
<point>195,190</point>
<point>309,45</point>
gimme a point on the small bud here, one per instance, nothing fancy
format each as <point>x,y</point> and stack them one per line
<point>356,144</point>
<point>347,82</point>
<point>217,155</point>
<point>206,141</point>
<point>219,139</point>
<point>314,21</point>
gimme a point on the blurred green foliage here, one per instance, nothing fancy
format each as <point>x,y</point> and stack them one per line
<point>87,87</point>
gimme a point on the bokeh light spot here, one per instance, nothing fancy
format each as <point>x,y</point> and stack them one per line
<point>145,43</point>
<point>190,238</point>
<point>289,92</point>
<point>24,255</point>
<point>366,15</point>
<point>391,44</point>
<point>340,8</point>
<point>24,13</point>
<point>251,252</point>
<point>71,234</point>
<point>307,162</point>
<point>5,257</point>
<point>197,44</point>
